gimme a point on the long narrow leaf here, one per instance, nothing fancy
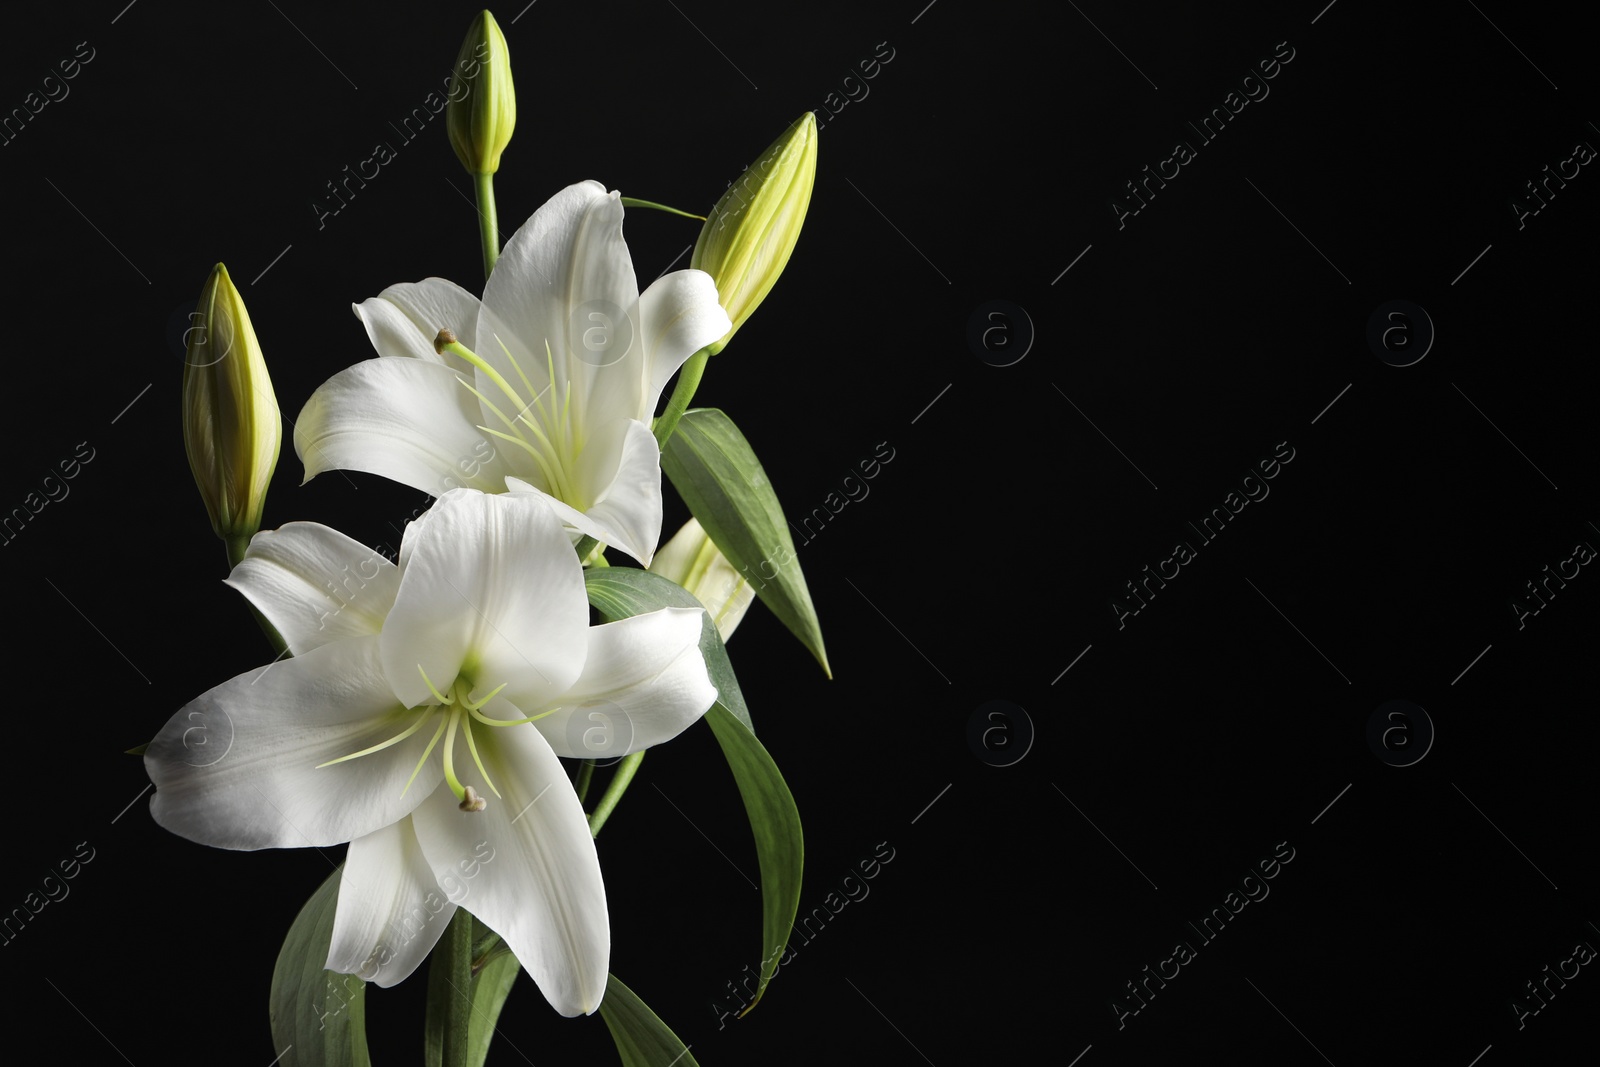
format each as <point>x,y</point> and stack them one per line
<point>642,1038</point>
<point>489,991</point>
<point>780,842</point>
<point>617,592</point>
<point>716,472</point>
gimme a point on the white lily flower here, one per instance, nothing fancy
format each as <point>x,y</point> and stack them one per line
<point>420,719</point>
<point>550,383</point>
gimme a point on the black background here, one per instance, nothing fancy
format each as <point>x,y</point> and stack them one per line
<point>1179,749</point>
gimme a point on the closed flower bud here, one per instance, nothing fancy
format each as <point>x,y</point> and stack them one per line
<point>748,236</point>
<point>694,562</point>
<point>231,425</point>
<point>481,119</point>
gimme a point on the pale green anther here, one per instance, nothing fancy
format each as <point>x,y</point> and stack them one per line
<point>481,118</point>
<point>749,235</point>
<point>231,426</point>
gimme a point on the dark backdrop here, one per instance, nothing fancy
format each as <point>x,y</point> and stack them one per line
<point>1142,361</point>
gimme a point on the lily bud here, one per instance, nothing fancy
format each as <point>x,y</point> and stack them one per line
<point>231,425</point>
<point>694,562</point>
<point>748,236</point>
<point>480,121</point>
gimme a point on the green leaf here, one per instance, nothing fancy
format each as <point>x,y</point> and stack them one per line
<point>780,842</point>
<point>643,1040</point>
<point>618,592</point>
<point>318,1016</point>
<point>490,987</point>
<point>719,477</point>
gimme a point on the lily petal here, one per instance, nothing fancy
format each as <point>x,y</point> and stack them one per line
<point>391,909</point>
<point>238,767</point>
<point>620,472</point>
<point>315,585</point>
<point>404,319</point>
<point>405,419</point>
<point>644,682</point>
<point>489,590</point>
<point>567,262</point>
<point>680,315</point>
<point>538,881</point>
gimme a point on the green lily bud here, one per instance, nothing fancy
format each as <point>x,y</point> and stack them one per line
<point>231,425</point>
<point>748,236</point>
<point>694,562</point>
<point>481,120</point>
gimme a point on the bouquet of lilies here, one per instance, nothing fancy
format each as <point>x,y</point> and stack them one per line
<point>420,710</point>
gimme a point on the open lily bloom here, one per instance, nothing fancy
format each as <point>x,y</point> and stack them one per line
<point>420,719</point>
<point>551,383</point>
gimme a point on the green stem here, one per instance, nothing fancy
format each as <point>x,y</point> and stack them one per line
<point>682,393</point>
<point>591,553</point>
<point>614,791</point>
<point>585,775</point>
<point>629,201</point>
<point>486,945</point>
<point>488,231</point>
<point>450,994</point>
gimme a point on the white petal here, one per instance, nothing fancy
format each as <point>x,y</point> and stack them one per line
<point>490,589</point>
<point>238,766</point>
<point>680,315</point>
<point>526,411</point>
<point>315,585</point>
<point>620,470</point>
<point>391,909</point>
<point>565,279</point>
<point>403,419</point>
<point>528,866</point>
<point>404,319</point>
<point>644,682</point>
<point>569,252</point>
